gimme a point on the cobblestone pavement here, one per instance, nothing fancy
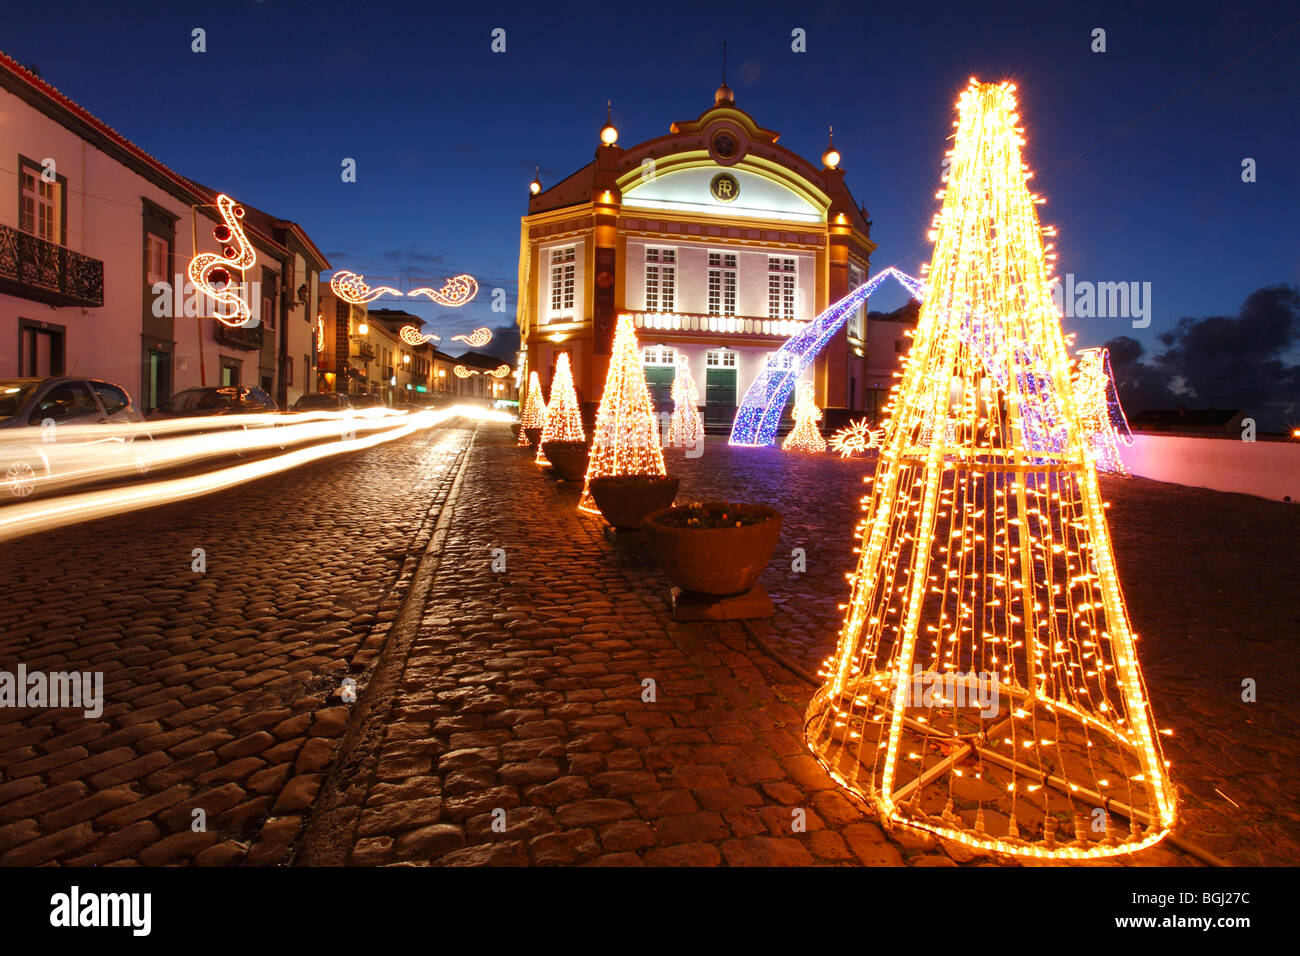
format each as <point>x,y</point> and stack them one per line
<point>222,689</point>
<point>518,731</point>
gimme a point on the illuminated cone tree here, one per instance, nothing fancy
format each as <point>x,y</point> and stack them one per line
<point>626,437</point>
<point>534,415</point>
<point>563,413</point>
<point>985,686</point>
<point>685,427</point>
<point>805,436</point>
<point>1100,410</point>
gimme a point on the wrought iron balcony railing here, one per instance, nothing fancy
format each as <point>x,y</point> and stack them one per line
<point>237,337</point>
<point>362,350</point>
<point>43,271</point>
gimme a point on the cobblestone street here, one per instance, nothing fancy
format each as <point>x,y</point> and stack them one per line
<point>502,715</point>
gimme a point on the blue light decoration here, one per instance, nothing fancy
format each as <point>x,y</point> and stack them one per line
<point>1100,411</point>
<point>764,402</point>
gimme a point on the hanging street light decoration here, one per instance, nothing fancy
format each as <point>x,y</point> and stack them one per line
<point>476,339</point>
<point>352,288</point>
<point>211,273</point>
<point>454,293</point>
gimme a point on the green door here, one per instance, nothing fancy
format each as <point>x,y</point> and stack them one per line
<point>659,380</point>
<point>719,395</point>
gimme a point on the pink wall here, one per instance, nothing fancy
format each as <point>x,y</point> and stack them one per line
<point>1265,469</point>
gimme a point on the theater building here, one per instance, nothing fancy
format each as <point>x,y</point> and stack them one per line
<point>719,242</point>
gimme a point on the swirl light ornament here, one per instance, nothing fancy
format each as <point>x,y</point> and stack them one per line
<point>320,334</point>
<point>476,339</point>
<point>501,371</point>
<point>454,293</point>
<point>352,288</point>
<point>210,273</point>
<point>413,336</point>
<point>856,438</point>
<point>463,372</point>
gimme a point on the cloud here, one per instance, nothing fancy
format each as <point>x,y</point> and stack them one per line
<point>1221,362</point>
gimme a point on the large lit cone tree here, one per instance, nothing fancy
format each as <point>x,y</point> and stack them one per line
<point>985,686</point>
<point>625,440</point>
<point>534,414</point>
<point>563,413</point>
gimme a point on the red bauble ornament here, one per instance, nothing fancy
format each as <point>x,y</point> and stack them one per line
<point>221,233</point>
<point>218,278</point>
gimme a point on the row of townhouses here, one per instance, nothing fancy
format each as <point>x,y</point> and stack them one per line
<point>96,236</point>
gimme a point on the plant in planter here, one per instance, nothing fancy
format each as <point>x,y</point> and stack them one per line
<point>625,500</point>
<point>625,442</point>
<point>714,552</point>
<point>563,442</point>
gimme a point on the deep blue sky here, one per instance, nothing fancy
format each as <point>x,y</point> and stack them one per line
<point>445,133</point>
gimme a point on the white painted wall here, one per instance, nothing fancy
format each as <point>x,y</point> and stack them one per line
<point>693,278</point>
<point>544,314</point>
<point>1263,469</point>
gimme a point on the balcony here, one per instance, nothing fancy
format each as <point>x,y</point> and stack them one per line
<point>43,271</point>
<point>717,324</point>
<point>238,337</point>
<point>362,350</point>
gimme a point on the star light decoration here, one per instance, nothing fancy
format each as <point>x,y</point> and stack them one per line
<point>856,438</point>
<point>454,293</point>
<point>685,427</point>
<point>985,565</point>
<point>210,273</point>
<point>352,288</point>
<point>534,414</point>
<point>563,413</point>
<point>805,436</point>
<point>411,335</point>
<point>1100,411</point>
<point>626,437</point>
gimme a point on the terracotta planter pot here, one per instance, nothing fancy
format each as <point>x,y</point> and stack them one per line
<point>714,560</point>
<point>569,458</point>
<point>624,500</point>
<point>534,436</point>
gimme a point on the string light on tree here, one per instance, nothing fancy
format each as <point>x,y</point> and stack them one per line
<point>685,427</point>
<point>211,273</point>
<point>534,414</point>
<point>1100,410</point>
<point>986,567</point>
<point>563,413</point>
<point>626,437</point>
<point>805,436</point>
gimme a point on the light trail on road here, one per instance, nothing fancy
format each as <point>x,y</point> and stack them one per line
<point>29,517</point>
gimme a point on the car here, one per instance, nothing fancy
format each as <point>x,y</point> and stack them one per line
<point>322,402</point>
<point>368,401</point>
<point>33,412</point>
<point>217,401</point>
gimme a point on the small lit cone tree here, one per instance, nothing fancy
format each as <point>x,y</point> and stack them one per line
<point>985,686</point>
<point>685,427</point>
<point>534,415</point>
<point>1100,411</point>
<point>805,436</point>
<point>626,437</point>
<point>563,413</point>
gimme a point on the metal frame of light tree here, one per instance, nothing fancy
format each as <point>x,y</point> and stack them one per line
<point>563,413</point>
<point>805,436</point>
<point>1100,409</point>
<point>625,440</point>
<point>760,410</point>
<point>534,413</point>
<point>685,427</point>
<point>983,556</point>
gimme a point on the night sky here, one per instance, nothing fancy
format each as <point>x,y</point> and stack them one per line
<point>446,133</point>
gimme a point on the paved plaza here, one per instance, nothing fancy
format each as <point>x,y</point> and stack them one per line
<point>504,716</point>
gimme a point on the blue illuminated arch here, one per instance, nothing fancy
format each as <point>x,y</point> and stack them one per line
<point>760,412</point>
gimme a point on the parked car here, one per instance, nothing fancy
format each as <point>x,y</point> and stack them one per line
<point>34,410</point>
<point>217,402</point>
<point>323,402</point>
<point>367,401</point>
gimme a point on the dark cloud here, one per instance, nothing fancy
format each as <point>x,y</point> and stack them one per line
<point>1221,362</point>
